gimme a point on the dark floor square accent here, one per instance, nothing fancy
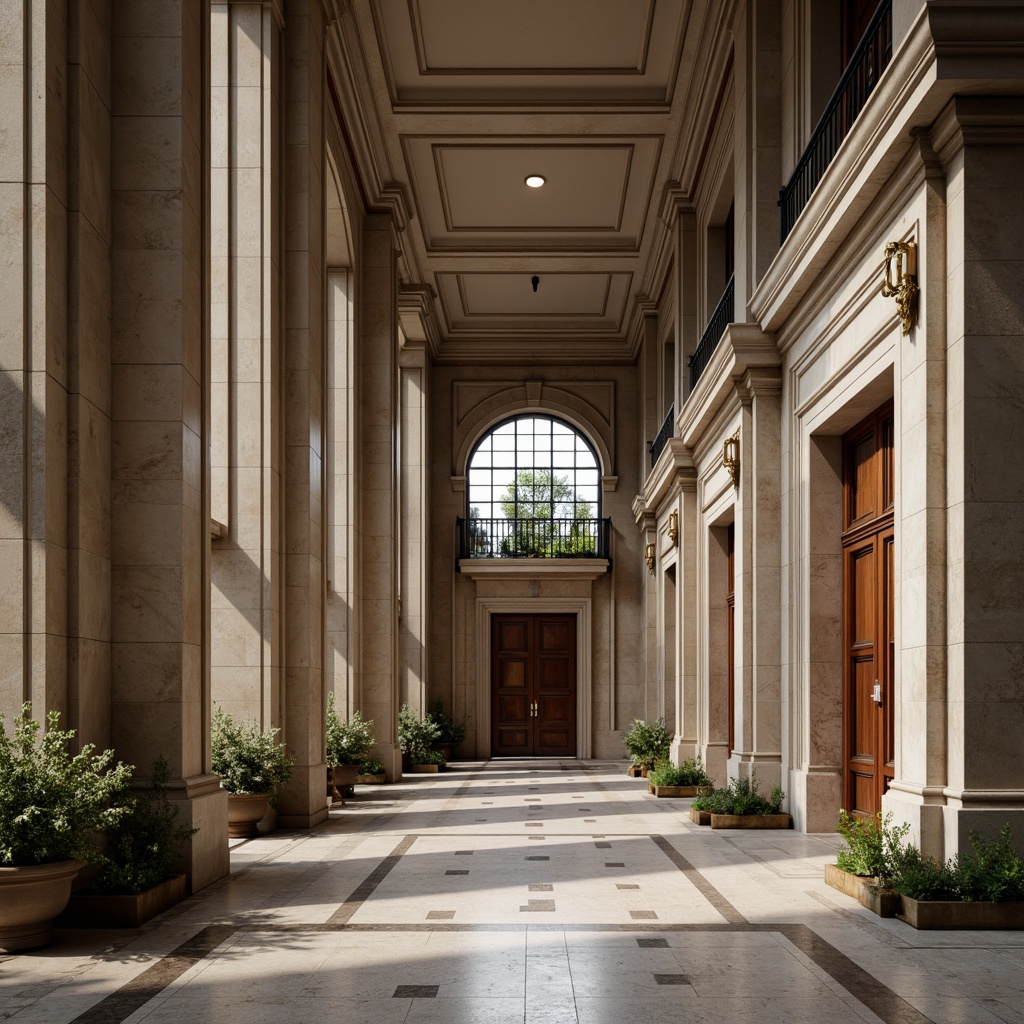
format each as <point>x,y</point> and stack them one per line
<point>614,864</point>
<point>597,837</point>
<point>541,887</point>
<point>538,907</point>
<point>577,798</point>
<point>440,915</point>
<point>583,810</point>
<point>626,885</point>
<point>479,819</point>
<point>603,846</point>
<point>671,979</point>
<point>589,821</point>
<point>654,944</point>
<point>643,915</point>
<point>531,799</point>
<point>532,789</point>
<point>487,803</point>
<point>533,824</point>
<point>538,838</point>
<point>463,853</point>
<point>416,992</point>
<point>537,858</point>
<point>458,872</point>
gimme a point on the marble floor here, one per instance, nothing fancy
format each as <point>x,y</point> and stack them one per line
<point>544,892</point>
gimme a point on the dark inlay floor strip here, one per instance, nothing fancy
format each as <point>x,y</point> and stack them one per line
<point>151,982</point>
<point>699,882</point>
<point>365,888</point>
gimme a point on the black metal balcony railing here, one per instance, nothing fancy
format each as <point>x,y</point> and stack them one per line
<point>869,60</point>
<point>533,538</point>
<point>720,319</point>
<point>664,434</point>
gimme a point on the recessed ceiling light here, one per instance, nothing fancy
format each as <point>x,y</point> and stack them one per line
<point>535,181</point>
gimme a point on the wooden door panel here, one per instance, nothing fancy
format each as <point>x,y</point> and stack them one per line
<point>868,617</point>
<point>533,685</point>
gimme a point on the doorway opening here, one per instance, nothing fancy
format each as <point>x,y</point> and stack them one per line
<point>533,685</point>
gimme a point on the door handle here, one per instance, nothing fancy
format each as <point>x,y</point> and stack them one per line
<point>533,709</point>
<point>876,693</point>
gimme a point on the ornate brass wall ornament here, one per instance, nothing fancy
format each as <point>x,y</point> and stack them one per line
<point>673,527</point>
<point>901,280</point>
<point>649,553</point>
<point>731,457</point>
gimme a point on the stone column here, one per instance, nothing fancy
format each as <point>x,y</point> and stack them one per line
<point>160,506</point>
<point>303,800</point>
<point>246,577</point>
<point>413,520</point>
<point>757,67</point>
<point>34,373</point>
<point>687,730</point>
<point>377,346</point>
<point>758,579</point>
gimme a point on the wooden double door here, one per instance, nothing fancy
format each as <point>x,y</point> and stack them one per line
<point>868,620</point>
<point>533,685</point>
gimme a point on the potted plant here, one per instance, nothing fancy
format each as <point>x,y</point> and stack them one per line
<point>863,870</point>
<point>451,734</point>
<point>348,744</point>
<point>51,803</point>
<point>686,779</point>
<point>134,882</point>
<point>983,889</point>
<point>371,773</point>
<point>251,765</point>
<point>646,745</point>
<point>740,805</point>
<point>418,739</point>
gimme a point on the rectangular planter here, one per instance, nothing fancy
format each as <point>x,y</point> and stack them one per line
<point>935,914</point>
<point>864,890</point>
<point>90,909</point>
<point>751,821</point>
<point>424,769</point>
<point>370,780</point>
<point>700,817</point>
<point>673,791</point>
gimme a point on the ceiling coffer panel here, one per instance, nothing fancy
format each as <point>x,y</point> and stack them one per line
<point>471,52</point>
<point>472,195</point>
<point>481,303</point>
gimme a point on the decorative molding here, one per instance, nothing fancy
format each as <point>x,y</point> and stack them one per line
<point>673,527</point>
<point>650,557</point>
<point>731,457</point>
<point>554,569</point>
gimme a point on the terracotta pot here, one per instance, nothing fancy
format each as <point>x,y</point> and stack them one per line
<point>30,898</point>
<point>425,769</point>
<point>245,811</point>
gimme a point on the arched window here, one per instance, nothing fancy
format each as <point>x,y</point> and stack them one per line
<point>533,490</point>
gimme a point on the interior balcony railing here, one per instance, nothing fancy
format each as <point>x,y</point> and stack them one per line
<point>723,315</point>
<point>869,60</point>
<point>667,429</point>
<point>534,538</point>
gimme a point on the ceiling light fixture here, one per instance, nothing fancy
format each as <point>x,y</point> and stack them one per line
<point>535,181</point>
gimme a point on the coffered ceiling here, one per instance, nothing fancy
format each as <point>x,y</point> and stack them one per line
<point>453,103</point>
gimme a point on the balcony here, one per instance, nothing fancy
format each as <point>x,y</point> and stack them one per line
<point>533,538</point>
<point>722,316</point>
<point>869,60</point>
<point>664,434</point>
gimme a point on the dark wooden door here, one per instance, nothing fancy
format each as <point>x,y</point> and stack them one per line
<point>533,685</point>
<point>868,622</point>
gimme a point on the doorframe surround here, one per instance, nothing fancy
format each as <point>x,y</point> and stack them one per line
<point>488,606</point>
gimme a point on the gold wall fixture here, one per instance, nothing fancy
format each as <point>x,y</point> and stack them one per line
<point>673,527</point>
<point>731,457</point>
<point>901,280</point>
<point>649,558</point>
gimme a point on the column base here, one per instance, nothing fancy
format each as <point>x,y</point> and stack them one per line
<point>303,800</point>
<point>767,766</point>
<point>390,755</point>
<point>682,749</point>
<point>205,858</point>
<point>814,799</point>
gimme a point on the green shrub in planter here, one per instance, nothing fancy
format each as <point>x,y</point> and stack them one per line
<point>247,759</point>
<point>141,845</point>
<point>690,773</point>
<point>647,744</point>
<point>450,731</point>
<point>871,844</point>
<point>416,736</point>
<point>371,768</point>
<point>431,757</point>
<point>740,797</point>
<point>347,742</point>
<point>52,801</point>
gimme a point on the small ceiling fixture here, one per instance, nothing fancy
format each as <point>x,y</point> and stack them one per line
<point>535,180</point>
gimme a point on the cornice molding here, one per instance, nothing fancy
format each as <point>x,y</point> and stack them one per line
<point>560,569</point>
<point>673,472</point>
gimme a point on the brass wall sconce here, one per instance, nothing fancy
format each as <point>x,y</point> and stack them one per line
<point>649,558</point>
<point>673,527</point>
<point>901,280</point>
<point>731,457</point>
